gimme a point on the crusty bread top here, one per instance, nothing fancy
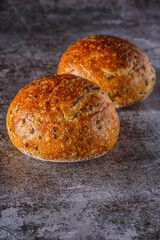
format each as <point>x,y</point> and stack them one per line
<point>119,67</point>
<point>62,118</point>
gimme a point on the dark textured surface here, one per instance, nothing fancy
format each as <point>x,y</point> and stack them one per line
<point>115,197</point>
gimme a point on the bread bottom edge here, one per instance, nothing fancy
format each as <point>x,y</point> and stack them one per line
<point>62,160</point>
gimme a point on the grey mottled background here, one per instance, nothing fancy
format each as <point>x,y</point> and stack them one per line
<point>115,197</point>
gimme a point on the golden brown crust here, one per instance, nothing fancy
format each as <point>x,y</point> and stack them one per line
<point>62,118</point>
<point>120,68</point>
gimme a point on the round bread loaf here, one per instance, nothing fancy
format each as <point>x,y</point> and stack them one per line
<point>120,68</point>
<point>62,118</point>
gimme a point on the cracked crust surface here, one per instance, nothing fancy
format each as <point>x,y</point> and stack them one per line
<point>120,68</point>
<point>62,118</point>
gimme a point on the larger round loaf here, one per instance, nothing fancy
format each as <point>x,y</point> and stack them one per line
<point>62,118</point>
<point>119,67</point>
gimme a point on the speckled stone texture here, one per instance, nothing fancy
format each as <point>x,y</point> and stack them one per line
<point>114,197</point>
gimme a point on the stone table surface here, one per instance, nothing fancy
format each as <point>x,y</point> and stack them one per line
<point>114,197</point>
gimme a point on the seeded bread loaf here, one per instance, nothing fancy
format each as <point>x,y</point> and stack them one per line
<point>120,68</point>
<point>62,118</point>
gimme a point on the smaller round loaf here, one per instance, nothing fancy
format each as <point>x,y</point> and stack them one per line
<point>119,67</point>
<point>62,118</point>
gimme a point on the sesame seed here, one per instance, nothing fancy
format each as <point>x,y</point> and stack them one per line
<point>54,129</point>
<point>32,130</point>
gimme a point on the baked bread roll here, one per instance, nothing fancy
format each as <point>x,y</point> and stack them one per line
<point>62,118</point>
<point>120,68</point>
